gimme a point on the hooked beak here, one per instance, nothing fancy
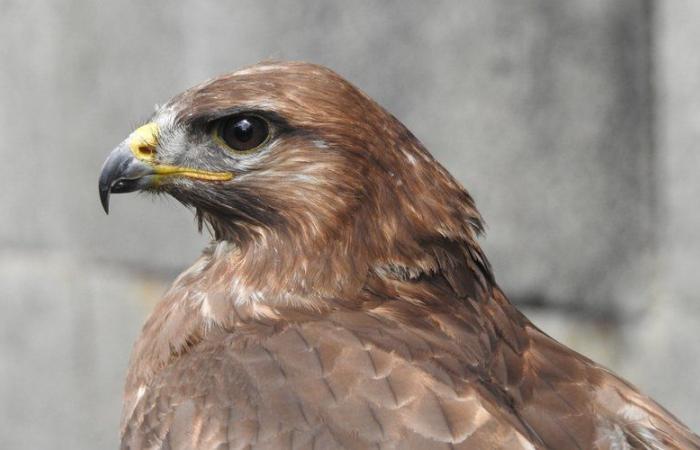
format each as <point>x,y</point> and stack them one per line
<point>122,172</point>
<point>132,166</point>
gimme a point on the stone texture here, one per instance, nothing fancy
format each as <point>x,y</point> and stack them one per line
<point>543,109</point>
<point>67,328</point>
<point>665,356</point>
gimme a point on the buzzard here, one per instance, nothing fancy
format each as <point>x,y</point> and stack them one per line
<point>344,301</point>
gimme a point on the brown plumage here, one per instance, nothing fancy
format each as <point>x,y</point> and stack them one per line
<point>344,301</point>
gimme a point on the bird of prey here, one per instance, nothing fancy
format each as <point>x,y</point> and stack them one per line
<point>344,301</point>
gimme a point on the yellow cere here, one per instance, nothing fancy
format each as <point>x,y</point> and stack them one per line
<point>143,143</point>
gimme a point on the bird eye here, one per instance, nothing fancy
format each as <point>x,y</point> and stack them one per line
<point>243,132</point>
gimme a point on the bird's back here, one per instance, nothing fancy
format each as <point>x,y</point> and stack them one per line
<point>467,374</point>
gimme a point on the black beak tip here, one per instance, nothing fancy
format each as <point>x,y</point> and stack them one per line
<point>104,198</point>
<point>122,173</point>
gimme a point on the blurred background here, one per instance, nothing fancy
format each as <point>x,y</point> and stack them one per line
<point>574,125</point>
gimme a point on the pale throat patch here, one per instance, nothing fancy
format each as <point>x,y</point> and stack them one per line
<point>140,393</point>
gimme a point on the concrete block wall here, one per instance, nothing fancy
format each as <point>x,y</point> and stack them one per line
<point>571,123</point>
<point>666,341</point>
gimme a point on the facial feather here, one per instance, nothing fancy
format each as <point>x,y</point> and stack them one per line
<point>341,188</point>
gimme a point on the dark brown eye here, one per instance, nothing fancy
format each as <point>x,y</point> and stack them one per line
<point>243,132</point>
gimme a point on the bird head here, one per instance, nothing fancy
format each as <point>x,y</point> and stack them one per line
<point>302,173</point>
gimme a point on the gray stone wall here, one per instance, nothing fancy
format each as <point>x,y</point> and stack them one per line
<point>572,123</point>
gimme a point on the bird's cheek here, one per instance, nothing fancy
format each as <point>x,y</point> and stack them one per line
<point>133,166</point>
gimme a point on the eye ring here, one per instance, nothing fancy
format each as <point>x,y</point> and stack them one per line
<point>242,133</point>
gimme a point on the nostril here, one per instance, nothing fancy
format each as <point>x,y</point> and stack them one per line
<point>146,151</point>
<point>143,142</point>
